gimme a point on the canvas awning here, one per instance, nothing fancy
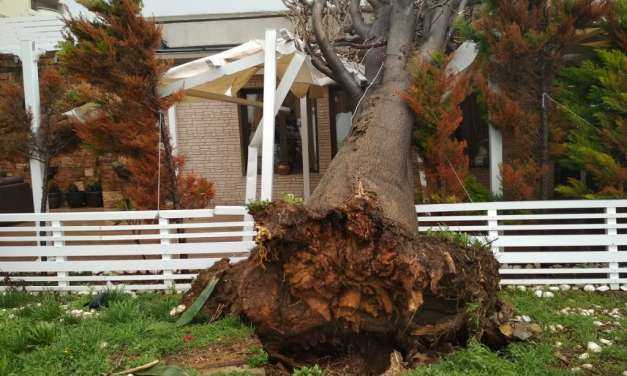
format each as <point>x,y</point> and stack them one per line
<point>225,73</point>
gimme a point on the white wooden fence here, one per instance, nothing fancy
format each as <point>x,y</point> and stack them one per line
<point>537,242</point>
<point>143,250</point>
<point>544,242</point>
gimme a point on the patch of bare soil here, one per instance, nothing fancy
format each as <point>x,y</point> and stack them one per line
<point>216,356</point>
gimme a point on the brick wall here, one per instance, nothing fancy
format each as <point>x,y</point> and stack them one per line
<point>208,136</point>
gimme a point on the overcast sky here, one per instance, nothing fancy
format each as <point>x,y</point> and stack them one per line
<point>185,7</point>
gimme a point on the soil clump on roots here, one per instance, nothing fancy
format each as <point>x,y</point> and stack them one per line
<point>321,286</point>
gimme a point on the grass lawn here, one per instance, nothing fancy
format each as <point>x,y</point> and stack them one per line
<point>46,335</point>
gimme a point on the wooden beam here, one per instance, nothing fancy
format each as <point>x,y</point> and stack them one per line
<point>172,129</point>
<point>304,139</point>
<point>227,69</point>
<point>226,98</point>
<point>282,90</point>
<point>30,76</point>
<point>269,100</point>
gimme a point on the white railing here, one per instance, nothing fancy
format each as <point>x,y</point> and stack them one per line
<point>537,242</point>
<point>143,250</point>
<point>543,242</point>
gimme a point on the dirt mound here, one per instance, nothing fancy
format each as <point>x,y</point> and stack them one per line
<point>346,281</point>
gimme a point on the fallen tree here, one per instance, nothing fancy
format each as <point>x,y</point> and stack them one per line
<point>346,272</point>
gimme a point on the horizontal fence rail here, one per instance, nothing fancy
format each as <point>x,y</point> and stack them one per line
<point>543,242</point>
<point>139,250</point>
<point>536,242</point>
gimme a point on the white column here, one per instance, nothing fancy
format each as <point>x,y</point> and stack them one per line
<point>172,129</point>
<point>269,98</point>
<point>304,139</point>
<point>30,75</point>
<point>496,159</point>
<point>251,174</point>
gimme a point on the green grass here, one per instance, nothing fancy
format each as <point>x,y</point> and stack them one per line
<point>40,337</point>
<point>542,355</point>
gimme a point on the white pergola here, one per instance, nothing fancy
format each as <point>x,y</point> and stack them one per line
<point>28,38</point>
<point>221,76</point>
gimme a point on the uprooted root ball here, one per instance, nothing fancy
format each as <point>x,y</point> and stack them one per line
<point>347,281</point>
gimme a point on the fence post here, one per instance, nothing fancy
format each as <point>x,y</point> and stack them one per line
<point>613,247</point>
<point>57,235</point>
<point>493,233</point>
<point>167,274</point>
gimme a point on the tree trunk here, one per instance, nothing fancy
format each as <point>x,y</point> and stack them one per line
<point>346,273</point>
<point>169,164</point>
<point>544,135</point>
<point>375,157</point>
<point>44,188</point>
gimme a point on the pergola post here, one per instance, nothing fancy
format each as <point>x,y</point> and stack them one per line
<point>496,159</point>
<point>289,76</point>
<point>269,98</point>
<point>304,139</point>
<point>172,128</point>
<point>30,75</point>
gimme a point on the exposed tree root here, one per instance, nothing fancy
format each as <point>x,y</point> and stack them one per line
<point>348,281</point>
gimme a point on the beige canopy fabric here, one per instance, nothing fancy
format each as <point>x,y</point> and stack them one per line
<point>232,81</point>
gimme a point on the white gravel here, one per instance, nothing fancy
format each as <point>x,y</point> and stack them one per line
<point>595,348</point>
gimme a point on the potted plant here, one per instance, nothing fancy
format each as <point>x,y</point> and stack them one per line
<point>93,195</point>
<point>55,197</point>
<point>75,198</point>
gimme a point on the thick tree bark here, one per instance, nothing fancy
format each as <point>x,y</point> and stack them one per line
<point>376,155</point>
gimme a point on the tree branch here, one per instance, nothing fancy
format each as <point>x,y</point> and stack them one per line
<point>377,3</point>
<point>361,46</point>
<point>318,62</point>
<point>340,73</point>
<point>458,15</point>
<point>357,19</point>
<point>437,29</point>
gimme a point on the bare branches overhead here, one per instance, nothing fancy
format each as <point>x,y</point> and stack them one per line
<point>336,31</point>
<point>341,74</point>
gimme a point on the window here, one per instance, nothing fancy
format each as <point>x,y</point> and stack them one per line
<point>474,130</point>
<point>341,117</point>
<point>287,141</point>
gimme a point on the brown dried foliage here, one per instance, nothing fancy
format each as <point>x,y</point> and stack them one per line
<point>115,55</point>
